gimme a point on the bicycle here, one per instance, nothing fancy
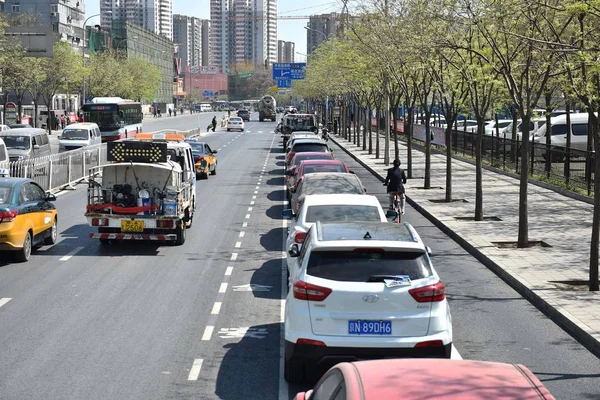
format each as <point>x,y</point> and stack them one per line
<point>398,206</point>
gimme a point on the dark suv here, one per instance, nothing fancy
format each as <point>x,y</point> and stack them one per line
<point>244,115</point>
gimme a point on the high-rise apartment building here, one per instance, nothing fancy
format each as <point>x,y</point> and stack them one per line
<point>66,18</point>
<point>242,31</point>
<point>285,51</point>
<point>154,15</point>
<point>206,56</point>
<point>187,36</point>
<point>320,28</point>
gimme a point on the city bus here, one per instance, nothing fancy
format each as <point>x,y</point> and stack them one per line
<point>117,118</point>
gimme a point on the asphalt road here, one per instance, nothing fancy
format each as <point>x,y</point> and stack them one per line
<point>202,321</point>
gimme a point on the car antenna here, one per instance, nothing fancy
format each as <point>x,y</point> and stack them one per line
<point>367,236</point>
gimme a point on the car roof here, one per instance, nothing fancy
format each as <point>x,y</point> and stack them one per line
<point>307,140</point>
<point>448,380</point>
<point>23,132</point>
<point>343,198</point>
<point>81,125</point>
<point>12,182</point>
<point>371,233</point>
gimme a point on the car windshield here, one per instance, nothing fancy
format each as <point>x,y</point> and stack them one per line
<point>5,195</point>
<point>197,148</point>
<point>342,213</point>
<point>332,185</point>
<point>75,134</point>
<point>301,123</point>
<point>17,142</point>
<point>363,266</point>
<point>235,119</point>
<point>306,147</point>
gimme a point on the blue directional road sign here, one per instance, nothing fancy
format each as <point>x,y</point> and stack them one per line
<point>284,83</point>
<point>297,70</point>
<point>281,70</point>
<point>207,93</point>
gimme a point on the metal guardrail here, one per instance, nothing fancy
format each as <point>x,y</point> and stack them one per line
<point>64,170</point>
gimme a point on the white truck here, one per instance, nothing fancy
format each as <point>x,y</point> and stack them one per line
<point>266,109</point>
<point>147,191</point>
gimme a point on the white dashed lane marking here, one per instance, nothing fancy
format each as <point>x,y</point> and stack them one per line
<point>249,208</point>
<point>238,245</point>
<point>216,308</point>
<point>245,225</point>
<point>223,288</point>
<point>195,371</point>
<point>234,256</point>
<point>4,300</point>
<point>70,254</point>
<point>242,233</point>
<point>247,216</point>
<point>228,271</point>
<point>208,331</point>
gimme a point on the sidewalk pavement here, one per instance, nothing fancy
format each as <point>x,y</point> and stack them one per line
<point>535,272</point>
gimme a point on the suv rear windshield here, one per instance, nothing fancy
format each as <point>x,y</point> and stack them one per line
<point>342,213</point>
<point>306,147</point>
<point>360,266</point>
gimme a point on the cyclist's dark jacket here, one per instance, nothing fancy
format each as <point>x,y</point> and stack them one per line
<point>395,180</point>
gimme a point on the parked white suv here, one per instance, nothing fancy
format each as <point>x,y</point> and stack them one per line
<point>328,208</point>
<point>364,290</point>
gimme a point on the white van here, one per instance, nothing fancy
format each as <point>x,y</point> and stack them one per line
<point>76,136</point>
<point>579,131</point>
<point>205,107</point>
<point>4,171</point>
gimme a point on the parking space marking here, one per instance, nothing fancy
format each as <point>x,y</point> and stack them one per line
<point>216,308</point>
<point>195,371</point>
<point>208,331</point>
<point>70,254</point>
<point>223,287</point>
<point>228,271</point>
<point>5,300</point>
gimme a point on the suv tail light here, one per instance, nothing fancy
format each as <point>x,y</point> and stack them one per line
<point>299,237</point>
<point>429,293</point>
<point>8,216</point>
<point>308,291</point>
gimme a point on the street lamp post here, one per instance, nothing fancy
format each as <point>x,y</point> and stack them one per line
<point>83,52</point>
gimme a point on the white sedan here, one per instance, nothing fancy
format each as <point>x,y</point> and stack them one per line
<point>329,208</point>
<point>235,123</point>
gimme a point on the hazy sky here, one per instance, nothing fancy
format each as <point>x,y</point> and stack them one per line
<point>288,30</point>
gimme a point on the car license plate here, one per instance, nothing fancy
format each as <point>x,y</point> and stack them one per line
<point>366,327</point>
<point>132,226</point>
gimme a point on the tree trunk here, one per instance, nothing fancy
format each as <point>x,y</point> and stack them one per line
<point>387,132</point>
<point>411,116</point>
<point>567,167</point>
<point>523,238</point>
<point>427,180</point>
<point>377,131</point>
<point>479,169</point>
<point>448,142</point>
<point>370,124</point>
<point>395,133</point>
<point>549,153</point>
<point>593,284</point>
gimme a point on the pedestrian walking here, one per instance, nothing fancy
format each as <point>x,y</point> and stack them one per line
<point>154,113</point>
<point>55,122</point>
<point>214,123</point>
<point>181,109</point>
<point>174,112</point>
<point>170,112</point>
<point>62,121</point>
<point>158,113</point>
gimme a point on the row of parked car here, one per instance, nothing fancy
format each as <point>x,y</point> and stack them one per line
<point>363,288</point>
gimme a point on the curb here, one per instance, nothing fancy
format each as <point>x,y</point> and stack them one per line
<point>584,338</point>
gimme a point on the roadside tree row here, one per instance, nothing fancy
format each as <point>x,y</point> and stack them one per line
<point>458,58</point>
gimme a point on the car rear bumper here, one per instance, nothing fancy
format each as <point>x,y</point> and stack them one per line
<point>326,356</point>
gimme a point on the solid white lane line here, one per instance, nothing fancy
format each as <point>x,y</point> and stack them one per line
<point>5,300</point>
<point>245,225</point>
<point>71,253</point>
<point>208,331</point>
<point>247,216</point>
<point>252,203</point>
<point>242,233</point>
<point>216,308</point>
<point>455,355</point>
<point>228,271</point>
<point>195,371</point>
<point>238,245</point>
<point>234,256</point>
<point>223,287</point>
<point>249,209</point>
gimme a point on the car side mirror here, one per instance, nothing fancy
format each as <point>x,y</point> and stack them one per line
<point>352,172</point>
<point>428,249</point>
<point>391,214</point>
<point>287,214</point>
<point>294,251</point>
<point>365,190</point>
<point>215,151</point>
<point>50,197</point>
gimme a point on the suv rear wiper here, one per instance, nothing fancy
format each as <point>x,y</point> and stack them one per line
<point>382,278</point>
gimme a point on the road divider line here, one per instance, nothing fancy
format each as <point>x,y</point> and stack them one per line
<point>242,233</point>
<point>238,245</point>
<point>252,202</point>
<point>257,187</point>
<point>70,254</point>
<point>247,216</point>
<point>216,308</point>
<point>223,287</point>
<point>255,192</point>
<point>208,331</point>
<point>195,371</point>
<point>228,271</point>
<point>234,256</point>
<point>249,209</point>
<point>5,300</point>
<point>245,225</point>
<point>254,197</point>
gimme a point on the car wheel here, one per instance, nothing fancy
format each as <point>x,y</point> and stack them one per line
<point>228,130</point>
<point>50,240</point>
<point>181,233</point>
<point>242,129</point>
<point>105,242</point>
<point>25,252</point>
<point>294,371</point>
<point>214,171</point>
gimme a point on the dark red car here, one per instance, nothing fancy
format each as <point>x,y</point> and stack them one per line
<point>298,158</point>
<point>312,166</point>
<point>416,379</point>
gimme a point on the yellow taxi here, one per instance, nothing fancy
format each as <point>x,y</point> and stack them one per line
<point>205,158</point>
<point>28,219</point>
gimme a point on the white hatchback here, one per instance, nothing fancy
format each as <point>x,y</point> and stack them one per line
<point>364,290</point>
<point>328,208</point>
<point>236,123</point>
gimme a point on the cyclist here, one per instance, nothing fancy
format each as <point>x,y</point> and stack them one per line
<point>395,180</point>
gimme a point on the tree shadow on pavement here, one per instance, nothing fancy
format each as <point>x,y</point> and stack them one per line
<point>277,195</point>
<point>269,274</point>
<point>279,181</point>
<point>273,240</point>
